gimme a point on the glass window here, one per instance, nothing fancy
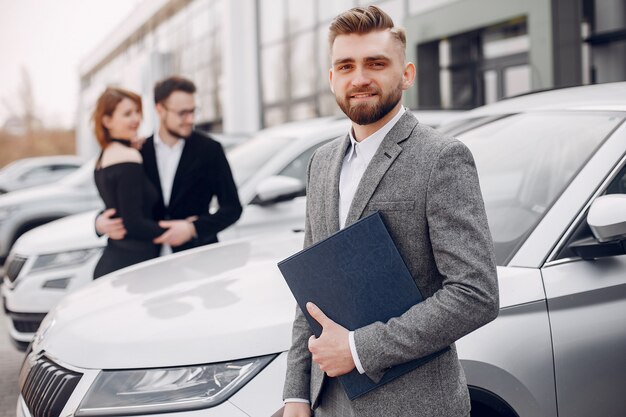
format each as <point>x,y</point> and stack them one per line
<point>272,15</point>
<point>524,163</point>
<point>323,58</point>
<point>301,15</point>
<point>274,116</point>
<point>609,15</point>
<point>302,111</point>
<point>200,23</point>
<point>303,68</point>
<point>395,9</point>
<point>328,9</point>
<point>274,65</point>
<point>608,62</point>
<point>328,105</point>
<point>516,80</point>
<point>420,6</point>
<point>490,80</point>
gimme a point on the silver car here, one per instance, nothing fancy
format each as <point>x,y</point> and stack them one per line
<point>29,172</point>
<point>552,168</point>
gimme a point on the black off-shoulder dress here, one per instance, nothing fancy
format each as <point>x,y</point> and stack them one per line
<point>126,188</point>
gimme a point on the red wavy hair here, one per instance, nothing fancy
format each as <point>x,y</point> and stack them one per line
<point>105,106</point>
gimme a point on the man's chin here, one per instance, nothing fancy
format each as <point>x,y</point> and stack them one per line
<point>181,133</point>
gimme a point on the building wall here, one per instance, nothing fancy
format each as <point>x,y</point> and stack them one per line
<point>258,63</point>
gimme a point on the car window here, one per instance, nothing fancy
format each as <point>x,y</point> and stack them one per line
<point>582,230</point>
<point>618,185</point>
<point>247,158</point>
<point>59,168</point>
<point>36,173</point>
<point>524,163</point>
<point>297,168</point>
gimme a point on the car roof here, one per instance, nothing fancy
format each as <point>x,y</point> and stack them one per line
<point>607,97</point>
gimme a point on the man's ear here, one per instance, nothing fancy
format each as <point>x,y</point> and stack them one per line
<point>408,77</point>
<point>330,80</point>
<point>160,109</point>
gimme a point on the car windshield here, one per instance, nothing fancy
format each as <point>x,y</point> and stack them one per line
<point>250,156</point>
<point>525,161</point>
<point>15,168</point>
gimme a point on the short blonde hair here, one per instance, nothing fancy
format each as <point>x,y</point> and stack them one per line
<point>362,20</point>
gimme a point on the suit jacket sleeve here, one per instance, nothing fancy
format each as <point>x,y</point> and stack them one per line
<point>229,209</point>
<point>298,379</point>
<point>463,253</point>
<point>130,203</point>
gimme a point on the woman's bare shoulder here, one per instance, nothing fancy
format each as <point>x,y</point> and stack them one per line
<point>118,154</point>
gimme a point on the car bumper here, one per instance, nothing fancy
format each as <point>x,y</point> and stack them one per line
<point>35,289</point>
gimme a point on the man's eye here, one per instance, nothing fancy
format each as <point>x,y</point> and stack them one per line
<point>344,67</point>
<point>378,64</point>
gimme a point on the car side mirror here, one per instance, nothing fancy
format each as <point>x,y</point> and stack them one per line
<point>607,221</point>
<point>276,189</point>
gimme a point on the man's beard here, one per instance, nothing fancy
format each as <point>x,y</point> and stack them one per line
<point>366,113</point>
<point>177,134</point>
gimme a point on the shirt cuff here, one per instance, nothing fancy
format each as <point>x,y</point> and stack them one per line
<point>355,355</point>
<point>296,400</point>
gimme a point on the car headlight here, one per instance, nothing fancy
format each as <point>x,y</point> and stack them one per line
<point>148,391</point>
<point>63,259</point>
<point>7,211</point>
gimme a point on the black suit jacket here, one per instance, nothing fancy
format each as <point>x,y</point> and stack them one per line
<point>203,173</point>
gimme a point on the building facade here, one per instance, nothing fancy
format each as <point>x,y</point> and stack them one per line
<point>259,63</point>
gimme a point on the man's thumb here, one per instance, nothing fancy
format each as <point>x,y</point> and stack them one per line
<point>317,314</point>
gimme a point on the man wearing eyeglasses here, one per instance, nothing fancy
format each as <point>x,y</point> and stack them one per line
<point>189,169</point>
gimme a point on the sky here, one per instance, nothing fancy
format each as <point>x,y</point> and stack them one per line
<point>49,39</point>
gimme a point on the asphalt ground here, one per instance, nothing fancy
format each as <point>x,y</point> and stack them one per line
<point>10,362</point>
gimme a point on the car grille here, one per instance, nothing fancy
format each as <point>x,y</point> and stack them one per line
<point>26,323</point>
<point>14,266</point>
<point>46,386</point>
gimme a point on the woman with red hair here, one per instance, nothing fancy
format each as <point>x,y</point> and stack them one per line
<point>122,182</point>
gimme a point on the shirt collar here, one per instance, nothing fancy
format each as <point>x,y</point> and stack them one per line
<point>368,146</point>
<point>158,142</point>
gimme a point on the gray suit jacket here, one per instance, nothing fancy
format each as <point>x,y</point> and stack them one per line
<point>426,187</point>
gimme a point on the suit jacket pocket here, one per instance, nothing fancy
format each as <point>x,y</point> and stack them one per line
<point>391,205</point>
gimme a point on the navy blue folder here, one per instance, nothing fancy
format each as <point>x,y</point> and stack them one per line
<point>356,277</point>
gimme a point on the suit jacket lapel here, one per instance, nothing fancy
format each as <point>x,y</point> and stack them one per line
<point>150,165</point>
<point>184,165</point>
<point>332,191</point>
<point>383,159</point>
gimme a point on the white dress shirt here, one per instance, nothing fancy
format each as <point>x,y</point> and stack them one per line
<point>358,157</point>
<point>167,159</point>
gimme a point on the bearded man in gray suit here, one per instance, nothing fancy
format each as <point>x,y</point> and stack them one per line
<point>426,187</point>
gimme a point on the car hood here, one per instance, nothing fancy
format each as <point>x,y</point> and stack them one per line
<point>223,302</point>
<point>39,193</point>
<point>66,234</point>
<point>210,304</point>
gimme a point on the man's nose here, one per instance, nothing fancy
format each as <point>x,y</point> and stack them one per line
<point>361,78</point>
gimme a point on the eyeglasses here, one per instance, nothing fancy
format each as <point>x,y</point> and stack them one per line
<point>183,113</point>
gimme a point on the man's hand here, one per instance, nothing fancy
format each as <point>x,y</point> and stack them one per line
<point>137,143</point>
<point>178,232</point>
<point>331,351</point>
<point>297,410</point>
<point>113,228</point>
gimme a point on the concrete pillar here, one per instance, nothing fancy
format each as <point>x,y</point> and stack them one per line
<point>240,100</point>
